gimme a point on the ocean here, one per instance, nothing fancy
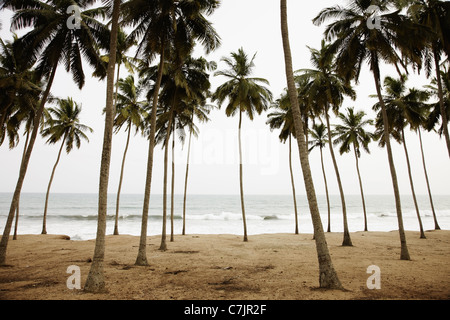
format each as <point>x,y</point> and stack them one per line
<point>75,215</point>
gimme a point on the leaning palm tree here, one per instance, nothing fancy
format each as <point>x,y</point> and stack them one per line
<point>63,123</point>
<point>319,140</point>
<point>351,133</point>
<point>161,25</point>
<point>327,274</point>
<point>95,281</point>
<point>19,98</point>
<point>281,117</point>
<point>327,88</point>
<point>245,94</point>
<point>129,112</point>
<point>51,42</point>
<point>356,41</point>
<point>403,108</point>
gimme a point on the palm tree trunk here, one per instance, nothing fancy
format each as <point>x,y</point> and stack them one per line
<point>186,179</point>
<point>24,167</point>
<point>18,201</point>
<point>241,178</point>
<point>141,259</point>
<point>404,254</point>
<point>361,189</point>
<point>95,281</point>
<point>44,222</point>
<point>422,234</point>
<point>441,98</point>
<point>293,186</point>
<point>436,225</point>
<point>346,241</point>
<point>163,246</point>
<point>173,183</point>
<point>327,275</point>
<point>326,190</point>
<point>116,219</point>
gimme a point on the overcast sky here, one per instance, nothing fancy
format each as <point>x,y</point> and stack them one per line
<point>255,26</point>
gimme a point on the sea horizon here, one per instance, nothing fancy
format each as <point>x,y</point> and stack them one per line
<point>75,214</point>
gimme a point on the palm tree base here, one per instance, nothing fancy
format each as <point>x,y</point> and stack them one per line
<point>95,282</point>
<point>141,261</point>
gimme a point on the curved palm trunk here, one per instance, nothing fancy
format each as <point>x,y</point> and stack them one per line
<point>141,259</point>
<point>173,185</point>
<point>18,201</point>
<point>116,219</point>
<point>441,98</point>
<point>44,222</point>
<point>436,225</point>
<point>24,167</point>
<point>404,254</point>
<point>163,245</point>
<point>293,186</point>
<point>327,275</point>
<point>240,177</point>
<point>185,181</point>
<point>346,241</point>
<point>95,281</point>
<point>413,192</point>
<point>326,190</point>
<point>361,189</point>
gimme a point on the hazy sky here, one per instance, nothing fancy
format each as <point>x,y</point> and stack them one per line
<point>255,26</point>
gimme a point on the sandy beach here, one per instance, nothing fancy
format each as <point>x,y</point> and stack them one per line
<point>213,267</point>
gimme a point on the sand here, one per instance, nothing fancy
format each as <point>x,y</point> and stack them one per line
<point>213,267</point>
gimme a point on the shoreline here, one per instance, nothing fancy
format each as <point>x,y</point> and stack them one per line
<point>270,266</point>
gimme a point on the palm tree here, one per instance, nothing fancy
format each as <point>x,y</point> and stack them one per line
<point>356,41</point>
<point>281,117</point>
<point>19,98</point>
<point>434,15</point>
<point>199,109</point>
<point>245,95</point>
<point>324,79</point>
<point>160,25</point>
<point>319,139</point>
<point>95,281</point>
<point>181,85</point>
<point>63,123</point>
<point>327,275</point>
<point>403,108</point>
<point>129,112</point>
<point>52,42</point>
<point>352,134</point>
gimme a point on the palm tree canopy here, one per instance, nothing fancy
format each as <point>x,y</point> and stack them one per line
<point>244,93</point>
<point>396,41</point>
<point>130,110</point>
<point>281,117</point>
<point>324,86</point>
<point>63,122</point>
<point>435,114</point>
<point>319,136</point>
<point>169,23</point>
<point>19,92</point>
<point>51,41</point>
<point>403,106</point>
<point>352,132</point>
